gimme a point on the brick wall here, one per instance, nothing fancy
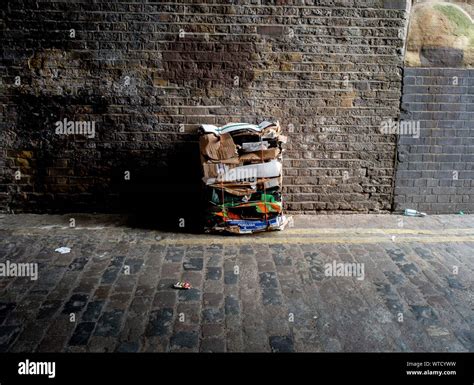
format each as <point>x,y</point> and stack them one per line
<point>148,73</point>
<point>435,173</point>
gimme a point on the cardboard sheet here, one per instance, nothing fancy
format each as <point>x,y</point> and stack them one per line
<point>250,172</point>
<point>255,146</point>
<point>212,170</point>
<point>243,172</point>
<point>256,156</point>
<point>233,127</point>
<point>217,147</point>
<point>252,226</point>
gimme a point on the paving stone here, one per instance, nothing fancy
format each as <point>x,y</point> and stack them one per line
<point>213,345</point>
<point>396,255</point>
<point>213,286</point>
<point>212,299</point>
<point>188,313</point>
<point>98,344</point>
<point>124,284</point>
<point>214,273</point>
<point>212,330</point>
<point>8,335</point>
<point>61,325</point>
<point>21,346</point>
<point>109,323</point>
<point>271,296</point>
<point>268,280</point>
<point>33,330</point>
<point>409,269</point>
<point>159,322</point>
<point>102,292</point>
<point>144,291</point>
<point>212,315</point>
<point>117,261</point>
<point>467,339</point>
<point>390,297</point>
<point>86,285</point>
<point>277,248</point>
<point>184,340</point>
<point>285,272</point>
<point>246,250</point>
<point>234,341</point>
<point>134,327</point>
<point>232,312</point>
<point>52,344</point>
<point>48,309</point>
<point>174,255</point>
<point>164,299</point>
<point>78,264</point>
<point>166,284</point>
<point>133,265</point>
<point>82,333</point>
<point>455,284</point>
<point>423,253</point>
<point>231,305</point>
<point>75,304</point>
<point>195,278</point>
<point>230,278</point>
<point>215,260</point>
<point>193,264</point>
<point>92,311</point>
<point>264,266</point>
<point>171,270</point>
<point>395,278</point>
<point>5,310</point>
<point>192,294</point>
<point>282,259</point>
<point>128,347</point>
<point>155,345</point>
<point>110,275</point>
<point>280,344</point>
<point>424,314</point>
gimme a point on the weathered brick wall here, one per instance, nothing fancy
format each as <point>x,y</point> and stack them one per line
<point>148,73</point>
<point>435,172</point>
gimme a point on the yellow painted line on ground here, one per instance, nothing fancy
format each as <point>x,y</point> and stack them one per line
<point>309,240</point>
<point>294,230</point>
<point>303,231</point>
<point>314,236</point>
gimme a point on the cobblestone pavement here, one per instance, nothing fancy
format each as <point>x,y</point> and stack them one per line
<point>269,292</point>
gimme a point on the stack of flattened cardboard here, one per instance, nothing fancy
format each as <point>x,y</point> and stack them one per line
<point>242,171</point>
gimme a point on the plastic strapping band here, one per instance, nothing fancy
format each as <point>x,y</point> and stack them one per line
<point>264,188</point>
<point>221,171</point>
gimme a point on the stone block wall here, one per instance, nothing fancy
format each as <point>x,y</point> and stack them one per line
<point>146,74</point>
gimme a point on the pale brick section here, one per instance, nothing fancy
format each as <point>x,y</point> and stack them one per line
<point>435,173</point>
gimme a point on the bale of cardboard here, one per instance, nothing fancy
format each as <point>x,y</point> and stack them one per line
<point>242,177</point>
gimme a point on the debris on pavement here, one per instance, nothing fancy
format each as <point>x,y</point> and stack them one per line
<point>183,285</point>
<point>242,175</point>
<point>413,213</point>
<point>63,250</point>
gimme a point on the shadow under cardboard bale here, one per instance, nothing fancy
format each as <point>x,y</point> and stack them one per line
<point>163,194</point>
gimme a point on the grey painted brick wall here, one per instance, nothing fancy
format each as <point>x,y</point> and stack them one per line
<point>329,72</point>
<point>435,173</point>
